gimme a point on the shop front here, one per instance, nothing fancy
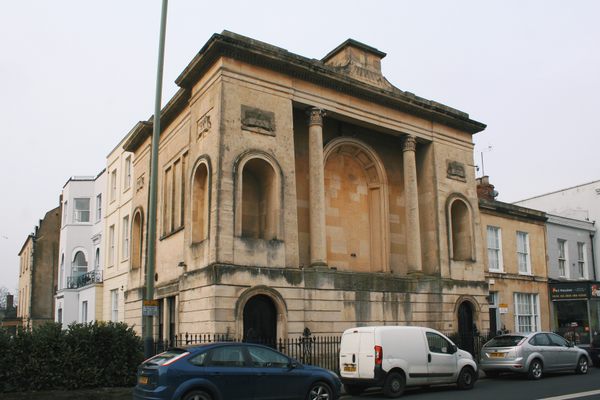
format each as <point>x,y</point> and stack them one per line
<point>576,310</point>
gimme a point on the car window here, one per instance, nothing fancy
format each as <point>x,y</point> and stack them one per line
<point>268,358</point>
<point>438,344</point>
<point>168,355</point>
<point>505,341</point>
<point>541,339</point>
<point>226,356</point>
<point>558,341</point>
<point>199,360</point>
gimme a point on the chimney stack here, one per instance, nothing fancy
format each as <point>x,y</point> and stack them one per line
<point>485,190</point>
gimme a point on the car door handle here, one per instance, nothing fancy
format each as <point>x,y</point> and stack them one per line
<point>429,357</point>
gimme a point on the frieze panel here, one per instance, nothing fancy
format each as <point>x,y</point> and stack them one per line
<point>203,125</point>
<point>456,170</point>
<point>257,120</point>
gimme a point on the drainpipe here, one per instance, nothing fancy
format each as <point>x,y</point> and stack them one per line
<point>593,257</point>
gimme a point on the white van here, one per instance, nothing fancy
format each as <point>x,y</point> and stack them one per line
<point>393,357</point>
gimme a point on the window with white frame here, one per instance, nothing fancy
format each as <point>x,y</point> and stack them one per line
<point>563,270</point>
<point>114,305</point>
<point>125,236</point>
<point>97,259</point>
<point>81,211</point>
<point>127,174</point>
<point>64,215</point>
<point>494,246</point>
<point>581,258</point>
<point>527,317</point>
<point>84,311</point>
<point>111,245</point>
<point>113,185</point>
<point>98,207</point>
<point>523,257</point>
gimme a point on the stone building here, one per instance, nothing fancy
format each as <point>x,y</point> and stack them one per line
<point>38,271</point>
<point>516,265</point>
<point>296,192</point>
<point>117,231</point>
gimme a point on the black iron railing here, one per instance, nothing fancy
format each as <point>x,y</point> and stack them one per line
<point>77,281</point>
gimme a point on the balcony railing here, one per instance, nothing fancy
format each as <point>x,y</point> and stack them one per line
<point>77,281</point>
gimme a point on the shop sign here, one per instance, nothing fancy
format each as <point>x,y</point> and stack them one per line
<point>503,308</point>
<point>562,291</point>
<point>595,290</point>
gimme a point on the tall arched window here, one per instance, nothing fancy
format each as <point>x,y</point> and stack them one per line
<point>62,271</point>
<point>200,203</point>
<point>97,259</point>
<point>461,230</point>
<point>259,200</point>
<point>136,240</point>
<point>80,264</point>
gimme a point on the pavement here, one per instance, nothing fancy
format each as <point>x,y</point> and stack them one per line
<point>81,394</point>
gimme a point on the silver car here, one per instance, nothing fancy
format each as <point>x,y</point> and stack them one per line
<point>533,354</point>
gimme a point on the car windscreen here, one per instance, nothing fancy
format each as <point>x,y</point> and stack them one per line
<point>505,341</point>
<point>166,356</point>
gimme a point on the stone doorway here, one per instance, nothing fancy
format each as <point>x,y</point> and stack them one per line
<point>466,326</point>
<point>260,320</point>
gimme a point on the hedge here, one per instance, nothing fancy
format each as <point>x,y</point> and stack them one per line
<point>99,354</point>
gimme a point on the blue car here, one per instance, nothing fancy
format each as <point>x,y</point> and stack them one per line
<point>232,371</point>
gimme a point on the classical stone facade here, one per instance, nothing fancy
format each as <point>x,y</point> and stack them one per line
<point>298,193</point>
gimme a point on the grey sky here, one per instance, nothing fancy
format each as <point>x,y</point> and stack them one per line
<point>76,75</point>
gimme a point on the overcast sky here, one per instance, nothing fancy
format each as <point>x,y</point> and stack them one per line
<point>76,75</point>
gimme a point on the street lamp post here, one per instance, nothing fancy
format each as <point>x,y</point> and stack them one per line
<point>149,308</point>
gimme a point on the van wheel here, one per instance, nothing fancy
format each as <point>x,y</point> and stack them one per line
<point>582,366</point>
<point>394,385</point>
<point>197,395</point>
<point>353,390</point>
<point>536,370</point>
<point>466,378</point>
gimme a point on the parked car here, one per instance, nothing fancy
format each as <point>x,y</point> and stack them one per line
<point>393,357</point>
<point>532,354</point>
<point>594,350</point>
<point>232,371</point>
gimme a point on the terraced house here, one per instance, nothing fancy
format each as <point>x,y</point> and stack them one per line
<point>299,193</point>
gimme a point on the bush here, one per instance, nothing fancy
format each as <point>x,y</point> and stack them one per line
<point>99,354</point>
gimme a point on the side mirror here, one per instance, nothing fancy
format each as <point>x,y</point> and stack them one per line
<point>293,365</point>
<point>453,349</point>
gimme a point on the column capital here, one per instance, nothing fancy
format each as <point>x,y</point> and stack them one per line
<point>315,116</point>
<point>409,143</point>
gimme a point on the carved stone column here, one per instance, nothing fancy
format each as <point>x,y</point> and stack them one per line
<point>316,187</point>
<point>413,227</point>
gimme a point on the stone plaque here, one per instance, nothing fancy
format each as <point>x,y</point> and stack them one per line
<point>139,183</point>
<point>257,120</point>
<point>203,125</point>
<point>456,171</point>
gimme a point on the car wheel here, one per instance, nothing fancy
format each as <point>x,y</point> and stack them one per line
<point>492,374</point>
<point>394,385</point>
<point>197,395</point>
<point>319,391</point>
<point>582,366</point>
<point>353,390</point>
<point>536,369</point>
<point>466,378</point>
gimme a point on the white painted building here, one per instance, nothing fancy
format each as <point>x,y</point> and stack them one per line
<point>80,257</point>
<point>117,231</point>
<point>580,202</point>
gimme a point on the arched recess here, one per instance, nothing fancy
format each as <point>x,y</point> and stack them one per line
<point>357,216</point>
<point>266,293</point>
<point>258,200</point>
<point>467,312</point>
<point>461,243</point>
<point>200,203</point>
<point>137,238</point>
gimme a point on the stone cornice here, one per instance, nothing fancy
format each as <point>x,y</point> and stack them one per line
<point>511,210</point>
<point>262,54</point>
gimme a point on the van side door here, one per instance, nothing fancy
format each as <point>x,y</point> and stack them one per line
<point>441,359</point>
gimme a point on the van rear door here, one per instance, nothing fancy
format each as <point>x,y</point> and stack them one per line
<point>357,357</point>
